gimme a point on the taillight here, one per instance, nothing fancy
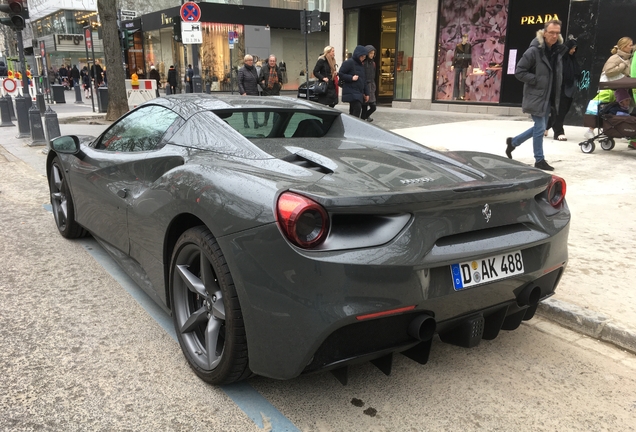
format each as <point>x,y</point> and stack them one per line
<point>304,222</point>
<point>556,191</point>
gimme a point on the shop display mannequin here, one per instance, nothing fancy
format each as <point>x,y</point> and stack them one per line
<point>461,63</point>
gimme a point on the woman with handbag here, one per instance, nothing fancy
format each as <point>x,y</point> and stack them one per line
<point>325,71</point>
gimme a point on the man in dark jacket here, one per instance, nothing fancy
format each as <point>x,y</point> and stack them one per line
<point>154,75</point>
<point>248,86</point>
<point>3,69</point>
<point>172,80</point>
<point>355,89</point>
<point>188,78</point>
<point>540,69</point>
<point>75,74</point>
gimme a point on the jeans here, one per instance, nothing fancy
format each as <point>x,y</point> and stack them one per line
<point>536,133</point>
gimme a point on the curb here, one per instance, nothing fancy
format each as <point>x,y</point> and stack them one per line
<point>589,323</point>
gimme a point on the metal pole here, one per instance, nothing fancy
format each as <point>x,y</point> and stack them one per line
<point>93,51</point>
<point>25,79</point>
<point>89,65</point>
<point>231,73</point>
<point>306,56</point>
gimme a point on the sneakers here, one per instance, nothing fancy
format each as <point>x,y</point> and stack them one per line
<point>542,164</point>
<point>589,134</point>
<point>509,147</point>
<point>369,119</point>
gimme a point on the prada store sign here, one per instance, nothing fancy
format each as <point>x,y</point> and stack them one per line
<point>538,19</point>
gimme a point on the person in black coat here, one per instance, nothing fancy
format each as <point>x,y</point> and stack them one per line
<point>172,80</point>
<point>326,70</point>
<point>154,75</point>
<point>571,74</point>
<point>355,89</point>
<point>75,74</point>
<point>188,78</point>
<point>248,85</point>
<point>369,72</point>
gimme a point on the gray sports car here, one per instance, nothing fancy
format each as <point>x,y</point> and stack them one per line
<point>285,237</point>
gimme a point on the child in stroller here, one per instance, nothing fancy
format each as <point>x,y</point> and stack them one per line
<point>612,118</point>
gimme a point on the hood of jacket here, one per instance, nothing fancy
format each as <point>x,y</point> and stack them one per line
<point>540,40</point>
<point>370,48</point>
<point>359,51</point>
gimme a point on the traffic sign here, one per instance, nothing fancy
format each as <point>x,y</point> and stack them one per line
<point>191,33</point>
<point>127,15</point>
<point>232,38</point>
<point>190,11</point>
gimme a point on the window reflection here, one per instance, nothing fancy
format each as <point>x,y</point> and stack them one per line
<point>141,130</point>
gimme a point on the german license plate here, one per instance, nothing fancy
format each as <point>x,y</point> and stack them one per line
<point>302,95</point>
<point>486,270</point>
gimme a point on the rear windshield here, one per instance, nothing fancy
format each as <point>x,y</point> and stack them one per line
<point>279,123</point>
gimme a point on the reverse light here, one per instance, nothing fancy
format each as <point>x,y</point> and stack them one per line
<point>304,221</point>
<point>556,191</point>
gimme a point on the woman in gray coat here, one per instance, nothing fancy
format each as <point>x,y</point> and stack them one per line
<point>248,86</point>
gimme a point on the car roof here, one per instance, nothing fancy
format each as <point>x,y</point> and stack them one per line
<point>187,105</point>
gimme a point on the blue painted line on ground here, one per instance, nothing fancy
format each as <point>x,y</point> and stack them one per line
<point>246,397</point>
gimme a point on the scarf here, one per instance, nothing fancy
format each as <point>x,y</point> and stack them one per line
<point>332,64</point>
<point>273,78</point>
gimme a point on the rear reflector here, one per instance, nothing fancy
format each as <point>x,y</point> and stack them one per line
<point>385,313</point>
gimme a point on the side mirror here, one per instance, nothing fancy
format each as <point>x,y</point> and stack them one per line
<point>68,144</point>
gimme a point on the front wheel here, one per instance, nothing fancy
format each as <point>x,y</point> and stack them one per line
<point>588,146</point>
<point>206,310</point>
<point>62,203</point>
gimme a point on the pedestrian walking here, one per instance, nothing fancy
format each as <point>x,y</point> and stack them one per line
<point>86,82</point>
<point>571,74</point>
<point>75,75</point>
<point>188,78</point>
<point>62,72</point>
<point>541,71</point>
<point>154,75</point>
<point>172,79</point>
<point>369,107</point>
<point>271,81</point>
<point>326,70</point>
<point>355,89</point>
<point>248,86</point>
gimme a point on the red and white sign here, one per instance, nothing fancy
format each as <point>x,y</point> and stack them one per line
<point>190,11</point>
<point>9,85</point>
<point>88,37</point>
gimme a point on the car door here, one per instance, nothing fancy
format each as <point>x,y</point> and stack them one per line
<point>106,177</point>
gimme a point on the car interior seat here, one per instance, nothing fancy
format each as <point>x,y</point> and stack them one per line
<point>309,128</point>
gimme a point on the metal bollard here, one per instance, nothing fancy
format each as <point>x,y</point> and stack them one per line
<point>51,124</point>
<point>22,111</point>
<point>40,102</point>
<point>11,109</point>
<point>4,113</point>
<point>168,90</point>
<point>78,95</point>
<point>37,133</point>
<point>208,88</point>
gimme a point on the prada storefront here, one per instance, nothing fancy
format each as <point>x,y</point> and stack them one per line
<point>479,44</point>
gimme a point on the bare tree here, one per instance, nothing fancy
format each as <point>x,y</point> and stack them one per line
<point>117,101</point>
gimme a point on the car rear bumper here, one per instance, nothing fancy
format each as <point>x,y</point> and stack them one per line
<point>302,311</point>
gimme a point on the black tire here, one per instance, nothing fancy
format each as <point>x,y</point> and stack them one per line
<point>607,144</point>
<point>588,146</point>
<point>199,275</point>
<point>62,203</point>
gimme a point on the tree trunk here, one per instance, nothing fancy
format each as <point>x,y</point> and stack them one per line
<point>117,101</point>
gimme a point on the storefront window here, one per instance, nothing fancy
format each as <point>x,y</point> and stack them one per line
<point>405,50</point>
<point>470,68</point>
<point>351,33</point>
<point>215,55</point>
<point>387,51</point>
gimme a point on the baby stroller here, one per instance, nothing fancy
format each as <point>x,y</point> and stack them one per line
<point>66,83</point>
<point>609,126</point>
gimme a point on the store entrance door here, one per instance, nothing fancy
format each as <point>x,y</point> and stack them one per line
<point>377,26</point>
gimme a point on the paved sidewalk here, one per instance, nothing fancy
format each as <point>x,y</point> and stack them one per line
<point>595,295</point>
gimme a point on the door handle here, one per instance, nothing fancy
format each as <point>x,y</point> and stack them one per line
<point>121,193</point>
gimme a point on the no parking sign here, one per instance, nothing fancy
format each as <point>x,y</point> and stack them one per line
<point>190,12</point>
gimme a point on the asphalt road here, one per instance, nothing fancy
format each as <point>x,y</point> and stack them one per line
<point>79,352</point>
